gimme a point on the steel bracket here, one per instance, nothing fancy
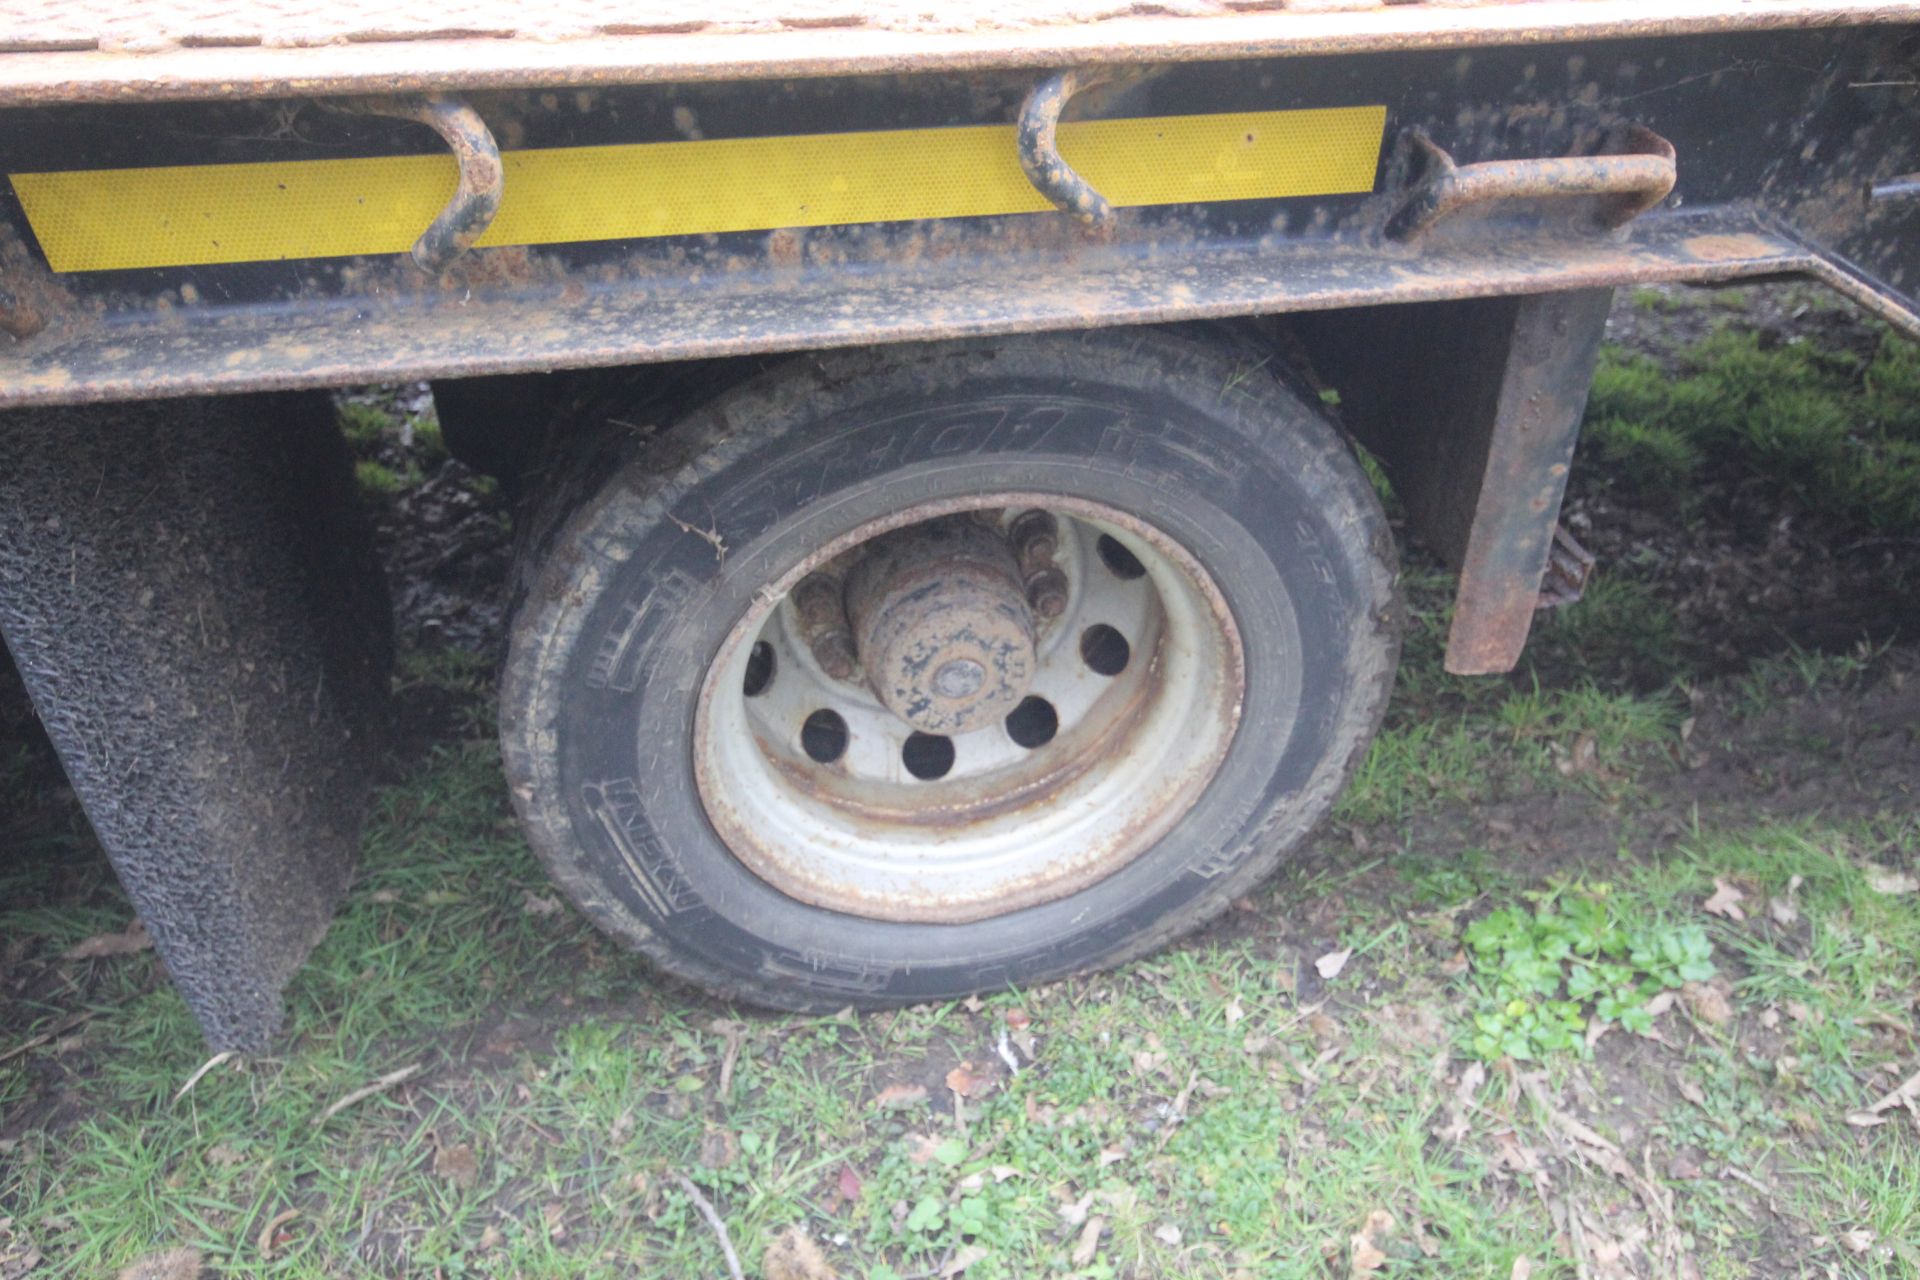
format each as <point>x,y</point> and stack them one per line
<point>1473,408</point>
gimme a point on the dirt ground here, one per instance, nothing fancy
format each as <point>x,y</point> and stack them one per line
<point>1718,750</point>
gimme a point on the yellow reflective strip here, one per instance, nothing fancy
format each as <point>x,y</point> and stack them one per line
<point>105,219</point>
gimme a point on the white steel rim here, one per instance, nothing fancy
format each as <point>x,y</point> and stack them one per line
<point>1007,825</point>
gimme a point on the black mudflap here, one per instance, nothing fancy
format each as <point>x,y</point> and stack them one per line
<point>190,593</point>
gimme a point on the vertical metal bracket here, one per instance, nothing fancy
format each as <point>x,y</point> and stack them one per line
<point>1037,135</point>
<point>1473,408</point>
<point>482,176</point>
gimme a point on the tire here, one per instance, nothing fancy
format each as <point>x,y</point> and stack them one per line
<point>635,591</point>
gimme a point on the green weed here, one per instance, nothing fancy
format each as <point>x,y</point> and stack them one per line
<point>377,480</point>
<point>363,424</point>
<point>1543,977</point>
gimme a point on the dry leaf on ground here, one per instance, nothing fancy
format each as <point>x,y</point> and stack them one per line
<point>1089,1242</point>
<point>168,1264</point>
<point>794,1256</point>
<point>896,1097</point>
<point>1724,901</point>
<point>1330,964</point>
<point>129,940</point>
<point>962,1260</point>
<point>457,1164</point>
<point>1364,1255</point>
<point>1886,880</point>
<point>1907,1095</point>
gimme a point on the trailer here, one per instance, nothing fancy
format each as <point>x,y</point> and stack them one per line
<point>944,555</point>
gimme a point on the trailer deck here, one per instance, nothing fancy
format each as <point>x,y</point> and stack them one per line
<point>156,50</point>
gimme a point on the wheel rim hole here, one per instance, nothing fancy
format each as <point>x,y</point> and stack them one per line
<point>927,756</point>
<point>1033,723</point>
<point>759,670</point>
<point>1121,562</point>
<point>824,736</point>
<point>1104,650</point>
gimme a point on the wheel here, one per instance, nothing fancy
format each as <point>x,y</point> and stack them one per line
<point>896,675</point>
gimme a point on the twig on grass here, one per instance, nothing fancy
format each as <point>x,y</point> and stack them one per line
<point>712,1215</point>
<point>65,1025</point>
<point>381,1085</point>
<point>194,1079</point>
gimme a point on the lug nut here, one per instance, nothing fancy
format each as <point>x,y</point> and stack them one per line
<point>1035,538</point>
<point>1047,592</point>
<point>834,653</point>
<point>823,623</point>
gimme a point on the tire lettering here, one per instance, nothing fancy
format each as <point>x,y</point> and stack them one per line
<point>617,806</point>
<point>814,969</point>
<point>612,666</point>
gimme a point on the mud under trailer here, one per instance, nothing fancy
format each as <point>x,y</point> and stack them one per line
<point>944,559</point>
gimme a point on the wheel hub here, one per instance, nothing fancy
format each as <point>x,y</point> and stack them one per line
<point>942,626</point>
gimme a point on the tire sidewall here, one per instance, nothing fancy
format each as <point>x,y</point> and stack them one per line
<point>647,579</point>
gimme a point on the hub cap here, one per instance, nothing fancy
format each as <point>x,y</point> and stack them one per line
<point>941,624</point>
<point>971,708</point>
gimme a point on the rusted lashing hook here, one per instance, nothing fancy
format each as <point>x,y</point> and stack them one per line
<point>1632,180</point>
<point>1037,135</point>
<point>482,176</point>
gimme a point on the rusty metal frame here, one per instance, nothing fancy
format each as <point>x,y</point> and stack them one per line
<point>1521,245</point>
<point>456,331</point>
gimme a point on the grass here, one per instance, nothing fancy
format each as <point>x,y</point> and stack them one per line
<point>1837,434</point>
<point>1219,1109</point>
<point>1233,1106</point>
